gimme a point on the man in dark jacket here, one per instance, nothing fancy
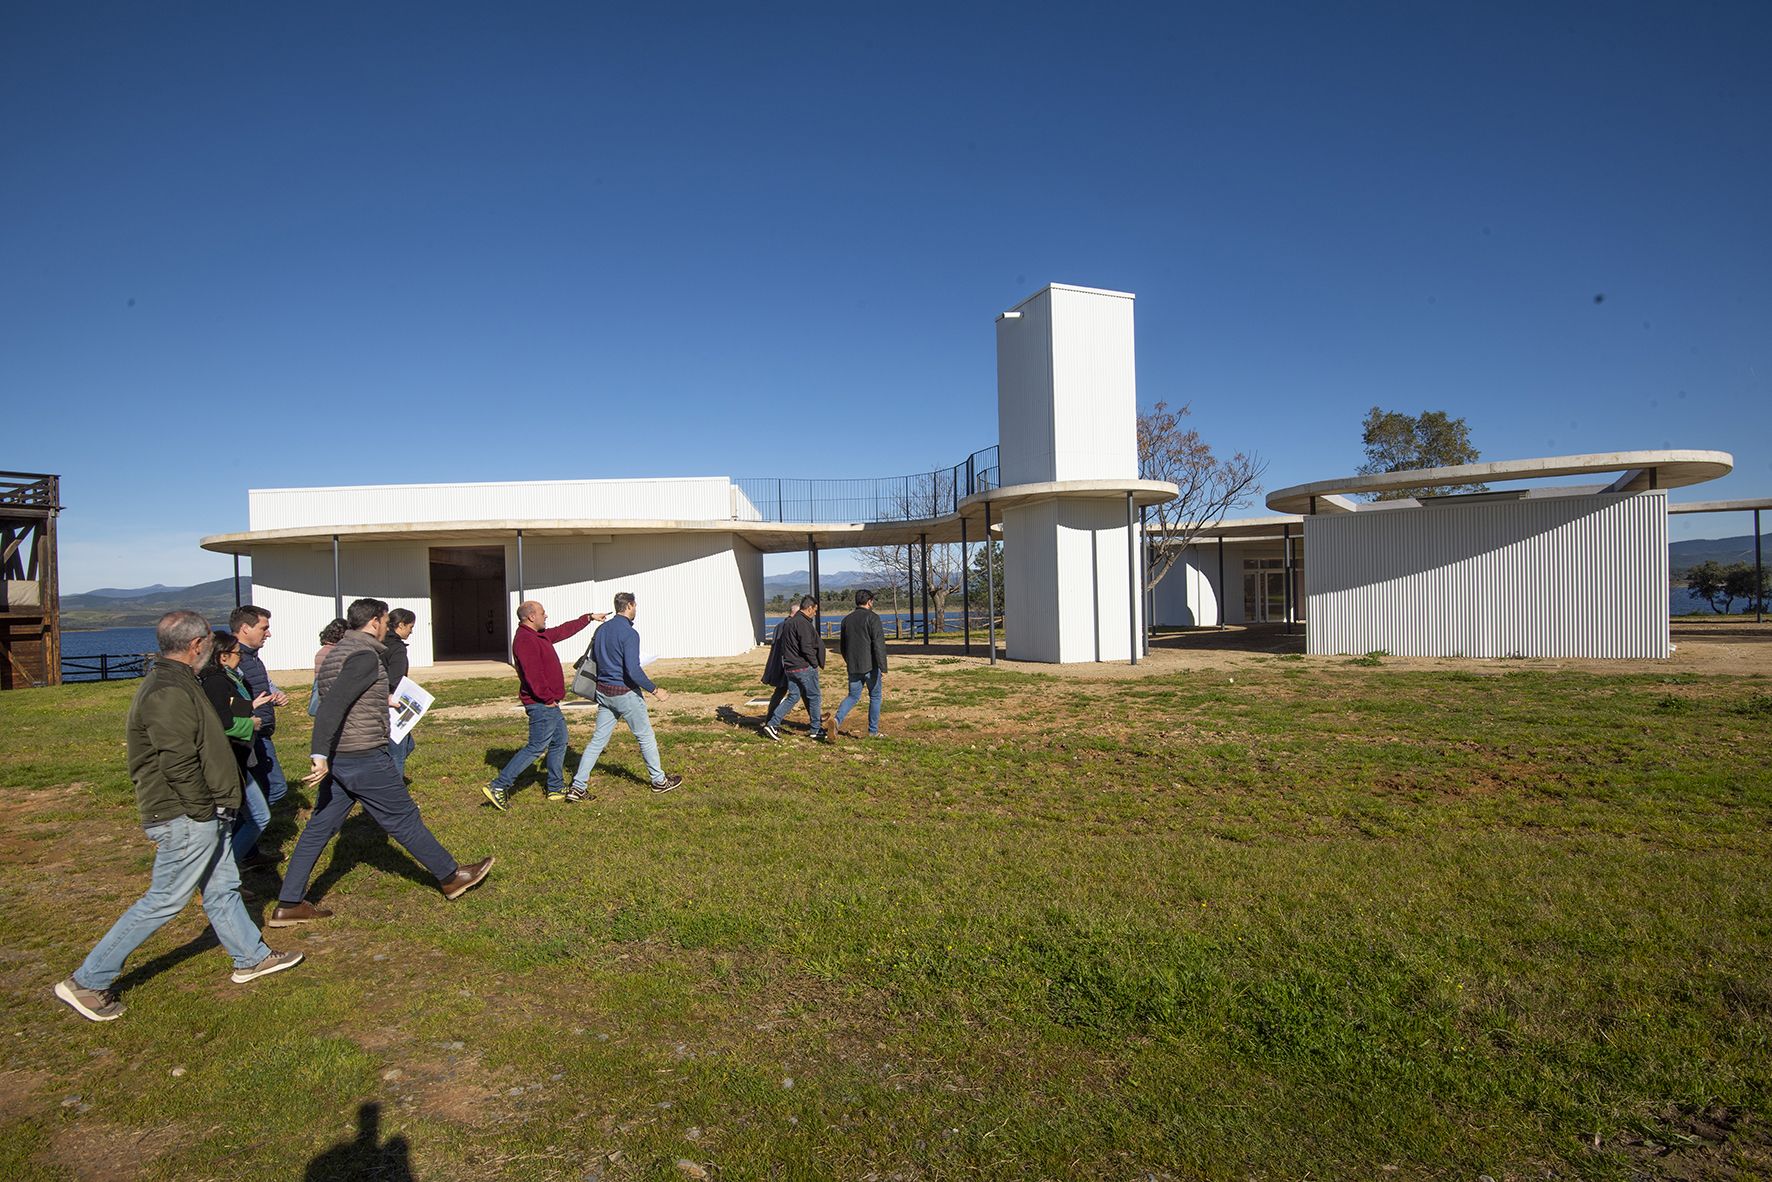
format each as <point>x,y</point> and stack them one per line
<point>864,651</point>
<point>251,626</point>
<point>187,790</point>
<point>352,766</point>
<point>620,682</point>
<point>800,650</point>
<point>541,685</point>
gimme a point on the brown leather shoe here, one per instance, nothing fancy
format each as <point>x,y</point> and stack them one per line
<point>465,879</point>
<point>287,915</point>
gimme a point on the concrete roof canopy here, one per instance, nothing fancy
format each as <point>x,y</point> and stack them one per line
<point>1639,471</point>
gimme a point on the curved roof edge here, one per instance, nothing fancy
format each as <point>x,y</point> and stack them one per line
<point>1640,470</point>
<point>769,536</point>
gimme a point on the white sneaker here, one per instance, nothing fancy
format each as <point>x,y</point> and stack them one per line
<point>276,962</point>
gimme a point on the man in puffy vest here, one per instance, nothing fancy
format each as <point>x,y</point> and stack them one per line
<point>352,766</point>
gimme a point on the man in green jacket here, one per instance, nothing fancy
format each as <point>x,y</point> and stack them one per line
<point>187,789</point>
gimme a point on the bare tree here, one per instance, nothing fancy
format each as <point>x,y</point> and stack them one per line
<point>1209,487</point>
<point>928,495</point>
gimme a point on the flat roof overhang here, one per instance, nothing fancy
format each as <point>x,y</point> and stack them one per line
<point>768,536</point>
<point>1241,529</point>
<point>1639,472</point>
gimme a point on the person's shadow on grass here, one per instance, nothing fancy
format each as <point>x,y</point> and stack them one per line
<point>361,840</point>
<point>365,1156</point>
<point>147,970</point>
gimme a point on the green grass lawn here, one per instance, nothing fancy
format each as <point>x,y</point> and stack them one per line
<point>1324,920</point>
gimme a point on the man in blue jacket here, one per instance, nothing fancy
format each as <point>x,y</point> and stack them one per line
<point>620,682</point>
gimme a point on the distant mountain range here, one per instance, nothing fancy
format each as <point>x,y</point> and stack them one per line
<point>1683,556</point>
<point>130,593</point>
<point>799,582</point>
<point>111,607</point>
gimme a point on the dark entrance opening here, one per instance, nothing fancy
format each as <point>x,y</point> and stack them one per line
<point>469,604</point>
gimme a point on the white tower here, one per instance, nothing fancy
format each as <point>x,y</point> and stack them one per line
<point>1067,421</point>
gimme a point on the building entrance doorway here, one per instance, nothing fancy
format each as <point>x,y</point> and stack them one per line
<point>469,605</point>
<point>1264,590</point>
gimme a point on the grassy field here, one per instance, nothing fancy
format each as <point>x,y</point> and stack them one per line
<point>1294,918</point>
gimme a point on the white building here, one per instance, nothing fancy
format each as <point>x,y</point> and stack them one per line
<point>462,556</point>
<point>1544,571</point>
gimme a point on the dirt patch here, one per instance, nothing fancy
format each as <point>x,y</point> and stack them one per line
<point>94,1151</point>
<point>19,1093</point>
<point>1718,1144</point>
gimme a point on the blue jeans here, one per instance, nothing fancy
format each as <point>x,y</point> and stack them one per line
<point>547,733</point>
<point>802,683</point>
<point>870,679</point>
<point>631,709</point>
<point>267,771</point>
<point>255,817</point>
<point>401,751</point>
<point>191,857</point>
<point>367,778</point>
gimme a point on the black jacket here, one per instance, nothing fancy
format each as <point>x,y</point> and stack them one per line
<point>798,644</point>
<point>394,659</point>
<point>863,643</point>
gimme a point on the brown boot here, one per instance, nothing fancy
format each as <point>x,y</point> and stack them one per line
<point>465,879</point>
<point>287,915</point>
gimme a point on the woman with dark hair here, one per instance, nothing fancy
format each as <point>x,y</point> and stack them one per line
<point>221,681</point>
<point>395,658</point>
<point>329,636</point>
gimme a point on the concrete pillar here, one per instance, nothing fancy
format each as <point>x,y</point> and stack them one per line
<point>1067,411</point>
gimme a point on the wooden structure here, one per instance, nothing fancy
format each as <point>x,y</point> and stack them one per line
<point>30,589</point>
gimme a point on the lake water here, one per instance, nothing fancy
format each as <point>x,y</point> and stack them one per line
<point>112,642</point>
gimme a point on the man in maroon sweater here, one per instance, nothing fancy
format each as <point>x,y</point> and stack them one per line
<point>541,685</point>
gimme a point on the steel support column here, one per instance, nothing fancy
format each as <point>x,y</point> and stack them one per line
<point>817,606</point>
<point>1759,573</point>
<point>965,581</point>
<point>236,580</point>
<point>923,539</point>
<point>1223,592</point>
<point>1147,596</point>
<point>522,586</point>
<point>338,598</point>
<point>990,586</point>
<point>1132,577</point>
<point>1286,532</point>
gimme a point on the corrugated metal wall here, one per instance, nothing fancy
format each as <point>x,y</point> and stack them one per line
<point>1579,576</point>
<point>698,499</point>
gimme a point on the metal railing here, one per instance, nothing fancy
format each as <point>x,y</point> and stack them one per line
<point>889,498</point>
<point>106,666</point>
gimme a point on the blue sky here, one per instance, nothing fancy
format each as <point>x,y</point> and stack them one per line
<point>336,244</point>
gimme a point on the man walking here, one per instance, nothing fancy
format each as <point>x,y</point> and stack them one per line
<point>802,655</point>
<point>352,765</point>
<point>251,626</point>
<point>620,682</point>
<point>187,791</point>
<point>540,687</point>
<point>863,642</point>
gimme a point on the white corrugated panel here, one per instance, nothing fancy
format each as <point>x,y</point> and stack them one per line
<point>1579,576</point>
<point>696,499</point>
